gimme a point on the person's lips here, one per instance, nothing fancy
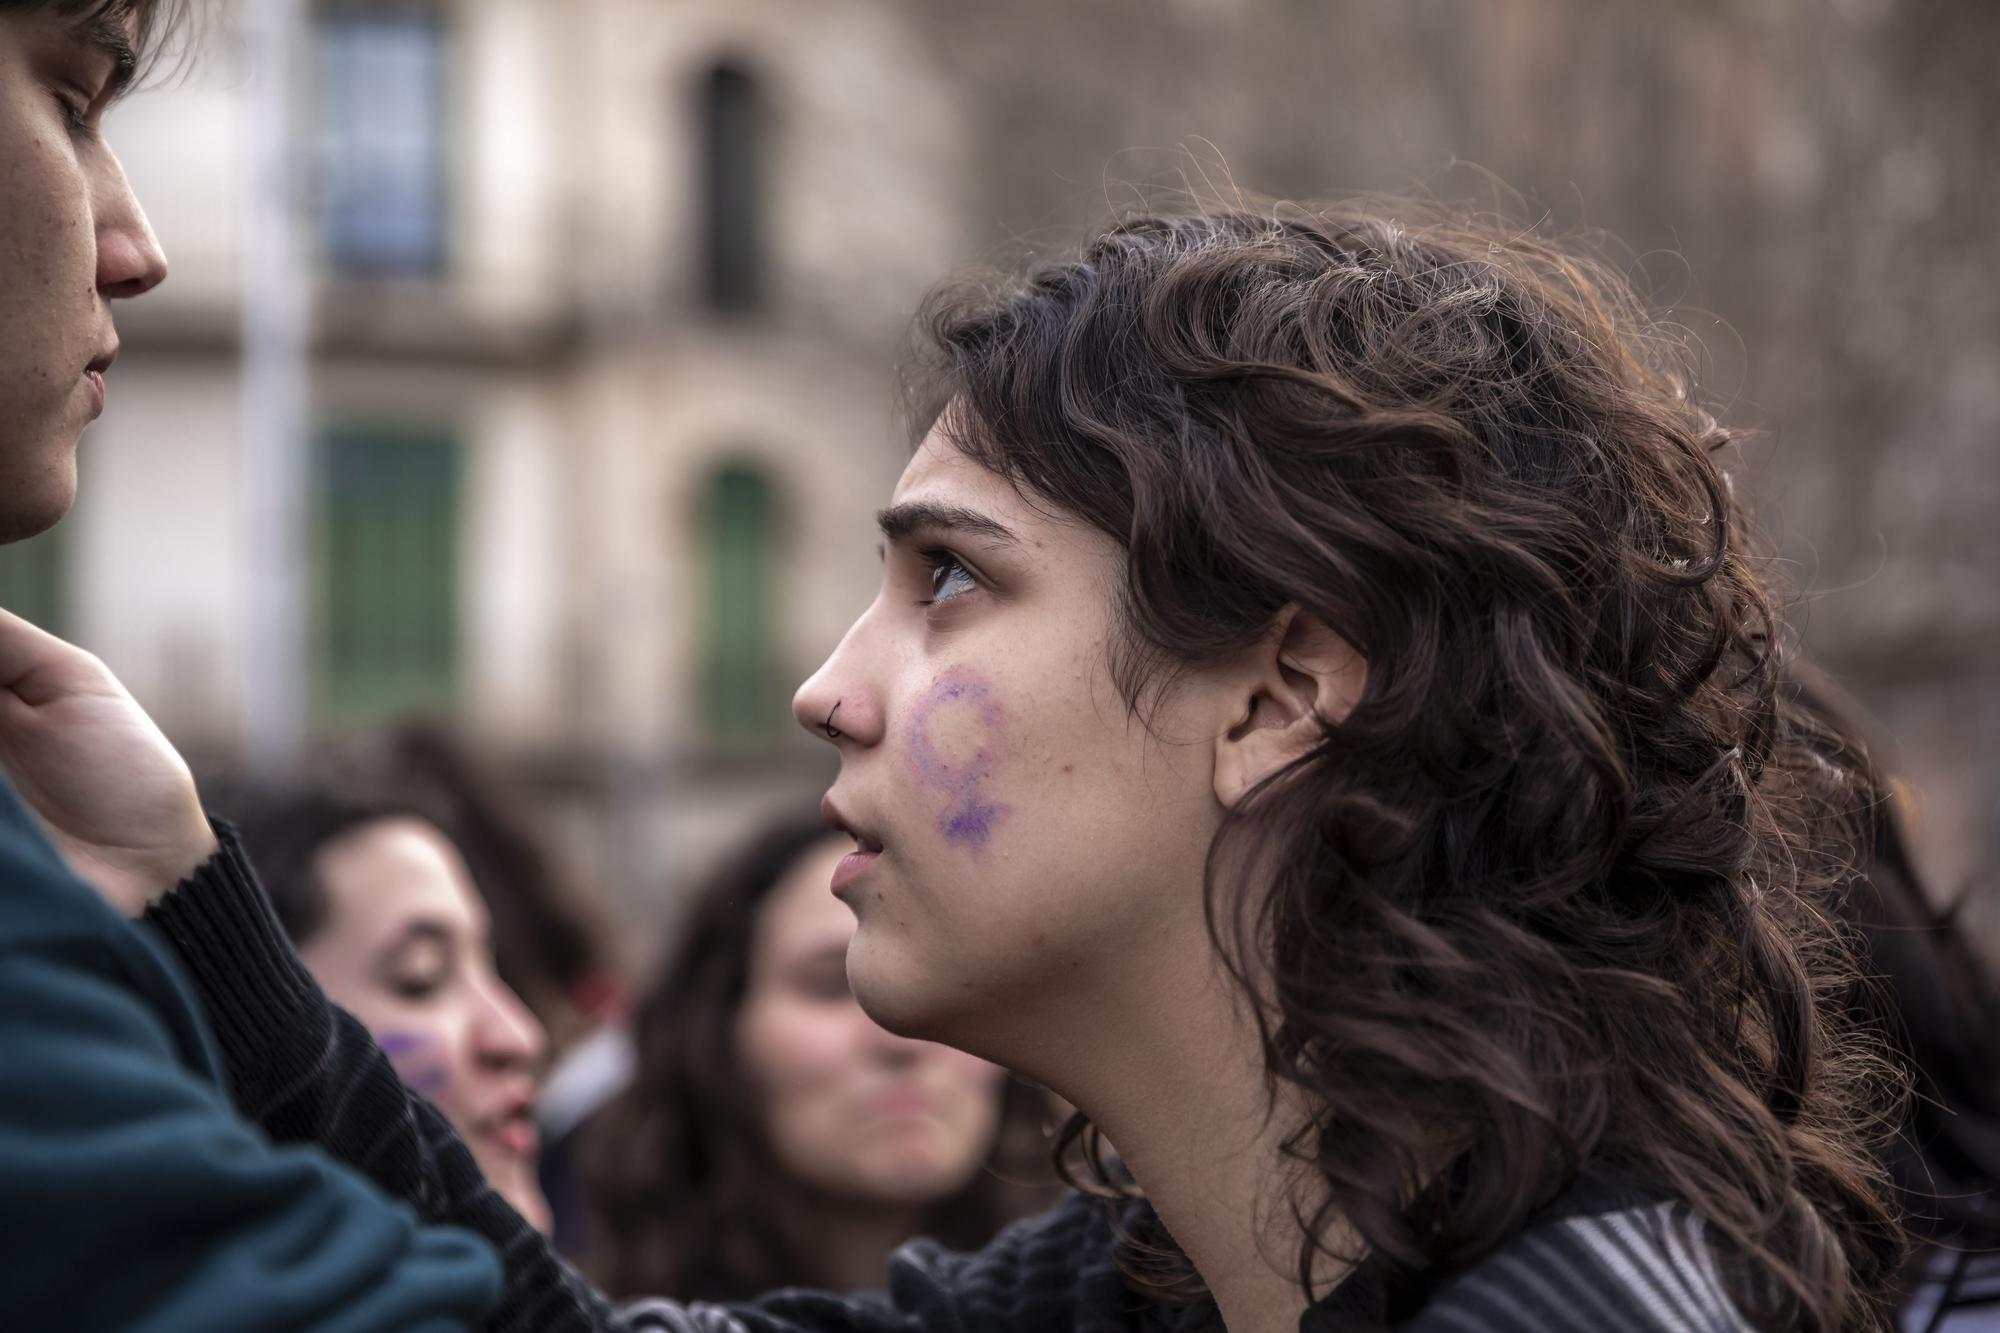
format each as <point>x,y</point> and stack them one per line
<point>93,375</point>
<point>852,866</point>
<point>511,1127</point>
<point>836,818</point>
<point>902,1102</point>
<point>867,847</point>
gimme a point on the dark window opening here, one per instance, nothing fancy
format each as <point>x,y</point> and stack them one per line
<point>733,277</point>
<point>741,707</point>
<point>387,573</point>
<point>381,122</point>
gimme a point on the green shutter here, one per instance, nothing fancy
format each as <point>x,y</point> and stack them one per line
<point>32,580</point>
<point>743,710</point>
<point>386,637</point>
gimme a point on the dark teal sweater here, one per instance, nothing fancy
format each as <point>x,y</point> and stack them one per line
<point>132,1197</point>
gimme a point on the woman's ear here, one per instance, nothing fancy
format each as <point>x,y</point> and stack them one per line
<point>1295,681</point>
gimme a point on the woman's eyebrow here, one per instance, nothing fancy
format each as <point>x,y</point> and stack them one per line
<point>898,522</point>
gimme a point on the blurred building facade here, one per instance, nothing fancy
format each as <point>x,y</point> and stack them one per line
<point>602,301</point>
<point>604,298</point>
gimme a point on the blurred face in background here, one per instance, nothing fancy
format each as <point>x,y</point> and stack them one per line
<point>852,1112</point>
<point>405,949</point>
<point>72,239</point>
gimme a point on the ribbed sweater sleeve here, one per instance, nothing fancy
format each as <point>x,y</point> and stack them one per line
<point>307,1072</point>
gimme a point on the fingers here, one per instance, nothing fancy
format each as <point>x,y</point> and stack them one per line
<point>38,667</point>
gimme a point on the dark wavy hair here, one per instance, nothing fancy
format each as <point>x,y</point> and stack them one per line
<point>284,829</point>
<point>1557,895</point>
<point>685,1197</point>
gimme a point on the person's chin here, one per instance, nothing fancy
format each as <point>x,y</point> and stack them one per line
<point>513,1179</point>
<point>889,984</point>
<point>30,506</point>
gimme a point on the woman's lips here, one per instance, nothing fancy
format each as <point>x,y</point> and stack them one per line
<point>903,1103</point>
<point>95,379</point>
<point>852,866</point>
<point>512,1131</point>
<point>518,1136</point>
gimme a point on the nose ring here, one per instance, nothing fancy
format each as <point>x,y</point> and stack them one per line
<point>832,732</point>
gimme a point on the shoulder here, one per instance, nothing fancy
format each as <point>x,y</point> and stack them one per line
<point>1639,1265</point>
<point>40,900</point>
<point>56,932</point>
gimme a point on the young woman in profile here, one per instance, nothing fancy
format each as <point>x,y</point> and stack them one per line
<point>1320,718</point>
<point>383,909</point>
<point>772,1135</point>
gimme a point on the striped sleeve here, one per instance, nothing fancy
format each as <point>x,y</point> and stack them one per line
<point>1638,1270</point>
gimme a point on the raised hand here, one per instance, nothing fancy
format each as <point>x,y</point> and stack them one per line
<point>114,795</point>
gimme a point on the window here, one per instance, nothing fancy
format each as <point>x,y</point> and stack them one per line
<point>742,710</point>
<point>382,140</point>
<point>32,580</point>
<point>732,118</point>
<point>386,573</point>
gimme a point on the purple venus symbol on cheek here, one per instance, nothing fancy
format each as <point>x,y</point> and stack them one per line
<point>417,1058</point>
<point>951,748</point>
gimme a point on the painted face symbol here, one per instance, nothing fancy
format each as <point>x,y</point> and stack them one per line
<point>417,1060</point>
<point>951,745</point>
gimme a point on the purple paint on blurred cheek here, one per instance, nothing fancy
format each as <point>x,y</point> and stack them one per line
<point>967,702</point>
<point>417,1058</point>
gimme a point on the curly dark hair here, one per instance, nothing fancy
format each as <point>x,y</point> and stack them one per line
<point>685,1197</point>
<point>1557,895</point>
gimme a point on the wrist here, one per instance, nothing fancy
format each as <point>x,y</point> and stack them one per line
<point>179,866</point>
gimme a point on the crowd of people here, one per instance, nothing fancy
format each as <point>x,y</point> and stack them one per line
<point>1325,729</point>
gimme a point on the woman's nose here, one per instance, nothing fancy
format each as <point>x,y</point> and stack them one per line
<point>130,261</point>
<point>835,706</point>
<point>509,1035</point>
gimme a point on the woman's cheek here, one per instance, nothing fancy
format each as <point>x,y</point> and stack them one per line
<point>420,1058</point>
<point>952,748</point>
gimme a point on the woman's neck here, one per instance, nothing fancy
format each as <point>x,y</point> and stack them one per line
<point>1180,1092</point>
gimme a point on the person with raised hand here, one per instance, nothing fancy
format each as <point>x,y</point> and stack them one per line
<point>133,1195</point>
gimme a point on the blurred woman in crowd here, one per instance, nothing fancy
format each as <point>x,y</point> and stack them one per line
<point>383,910</point>
<point>772,1134</point>
<point>546,940</point>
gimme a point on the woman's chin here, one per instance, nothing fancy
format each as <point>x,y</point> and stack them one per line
<point>889,988</point>
<point>513,1179</point>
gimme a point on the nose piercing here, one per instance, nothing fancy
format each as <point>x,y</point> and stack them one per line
<point>832,732</point>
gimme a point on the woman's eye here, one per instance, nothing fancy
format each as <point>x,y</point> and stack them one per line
<point>415,987</point>
<point>76,114</point>
<point>949,577</point>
